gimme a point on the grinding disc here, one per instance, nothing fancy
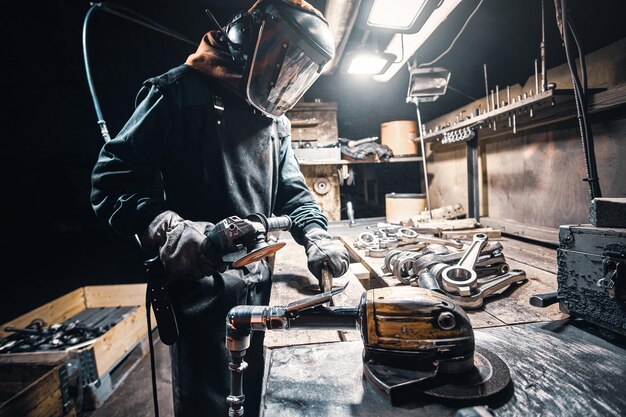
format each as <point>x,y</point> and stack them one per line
<point>258,254</point>
<point>489,377</point>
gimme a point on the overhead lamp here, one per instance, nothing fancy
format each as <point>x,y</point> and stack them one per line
<point>404,16</point>
<point>367,62</point>
<point>427,84</point>
<point>405,45</point>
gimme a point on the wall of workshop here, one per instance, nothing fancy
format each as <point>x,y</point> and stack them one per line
<point>535,176</point>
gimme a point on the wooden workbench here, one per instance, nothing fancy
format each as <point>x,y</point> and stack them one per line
<point>559,366</point>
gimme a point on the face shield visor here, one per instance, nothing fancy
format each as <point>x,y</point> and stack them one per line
<point>291,49</point>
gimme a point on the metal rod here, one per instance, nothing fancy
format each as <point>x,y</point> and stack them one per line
<point>472,178</point>
<point>486,86</point>
<point>498,96</point>
<point>544,75</point>
<point>536,77</point>
<point>423,147</point>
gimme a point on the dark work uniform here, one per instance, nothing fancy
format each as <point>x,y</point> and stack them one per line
<point>179,152</point>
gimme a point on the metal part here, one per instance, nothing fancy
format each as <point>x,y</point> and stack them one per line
<point>423,150</point>
<point>350,213</point>
<point>375,252</point>
<point>488,287</point>
<point>486,87</point>
<point>461,278</point>
<point>544,74</point>
<point>77,331</point>
<point>487,379</point>
<point>321,185</point>
<point>544,300</point>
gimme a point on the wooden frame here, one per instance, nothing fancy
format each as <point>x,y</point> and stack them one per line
<point>109,348</point>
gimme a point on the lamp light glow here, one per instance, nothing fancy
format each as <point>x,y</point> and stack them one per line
<point>396,14</point>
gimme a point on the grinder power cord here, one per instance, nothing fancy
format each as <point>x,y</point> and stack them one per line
<point>417,342</point>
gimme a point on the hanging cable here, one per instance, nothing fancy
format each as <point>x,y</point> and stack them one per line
<point>127,14</point>
<point>580,98</point>
<point>427,64</point>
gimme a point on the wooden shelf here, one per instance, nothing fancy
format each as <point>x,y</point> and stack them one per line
<point>550,107</point>
<point>346,162</point>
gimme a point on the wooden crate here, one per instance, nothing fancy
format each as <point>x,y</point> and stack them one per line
<point>104,363</point>
<point>314,122</point>
<point>34,390</point>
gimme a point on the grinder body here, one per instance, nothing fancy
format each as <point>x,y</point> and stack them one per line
<point>415,328</point>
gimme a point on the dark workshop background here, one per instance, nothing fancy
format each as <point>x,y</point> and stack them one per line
<point>52,242</point>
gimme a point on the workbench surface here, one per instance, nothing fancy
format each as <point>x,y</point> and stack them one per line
<point>559,366</point>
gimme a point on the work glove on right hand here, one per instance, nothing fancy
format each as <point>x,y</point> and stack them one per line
<point>179,244</point>
<point>323,251</point>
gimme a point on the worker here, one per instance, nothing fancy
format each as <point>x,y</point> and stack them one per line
<point>209,139</point>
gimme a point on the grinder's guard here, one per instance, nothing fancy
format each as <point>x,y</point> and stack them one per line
<point>417,342</point>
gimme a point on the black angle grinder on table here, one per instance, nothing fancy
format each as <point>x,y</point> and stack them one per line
<point>418,343</point>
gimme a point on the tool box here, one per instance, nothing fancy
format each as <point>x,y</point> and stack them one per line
<point>592,274</point>
<point>30,390</point>
<point>103,362</point>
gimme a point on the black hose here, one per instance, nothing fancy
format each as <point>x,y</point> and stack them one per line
<point>581,108</point>
<point>92,89</point>
<point>155,397</point>
<point>132,16</point>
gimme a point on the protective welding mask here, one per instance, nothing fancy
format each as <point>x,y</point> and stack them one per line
<point>291,47</point>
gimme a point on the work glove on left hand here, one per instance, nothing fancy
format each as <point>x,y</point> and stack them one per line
<point>323,251</point>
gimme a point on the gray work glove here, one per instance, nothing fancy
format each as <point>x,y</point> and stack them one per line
<point>178,242</point>
<point>323,251</point>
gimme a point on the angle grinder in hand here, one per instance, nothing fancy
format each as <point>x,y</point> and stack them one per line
<point>417,344</point>
<point>239,242</point>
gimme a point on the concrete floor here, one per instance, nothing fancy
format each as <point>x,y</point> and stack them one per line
<point>133,397</point>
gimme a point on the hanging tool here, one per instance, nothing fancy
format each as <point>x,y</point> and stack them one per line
<point>417,343</point>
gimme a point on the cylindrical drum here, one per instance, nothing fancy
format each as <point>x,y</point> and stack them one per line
<point>400,136</point>
<point>402,206</point>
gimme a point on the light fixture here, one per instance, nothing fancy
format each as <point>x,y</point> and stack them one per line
<point>367,62</point>
<point>405,45</point>
<point>427,84</point>
<point>404,16</point>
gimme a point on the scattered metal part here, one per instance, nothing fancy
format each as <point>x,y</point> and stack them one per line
<point>376,252</point>
<point>82,328</point>
<point>488,287</point>
<point>461,278</point>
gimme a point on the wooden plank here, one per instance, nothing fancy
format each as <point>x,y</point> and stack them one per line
<point>292,281</point>
<point>530,254</point>
<point>514,308</point>
<point>492,234</point>
<point>38,391</point>
<point>360,271</point>
<point>56,311</point>
<point>511,227</point>
<point>115,295</point>
<point>111,347</point>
